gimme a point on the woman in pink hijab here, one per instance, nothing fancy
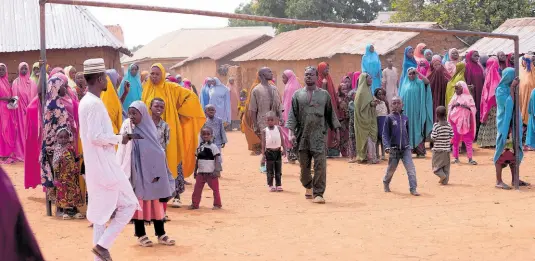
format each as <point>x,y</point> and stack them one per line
<point>452,61</point>
<point>462,117</point>
<point>7,118</point>
<point>25,89</point>
<point>486,138</point>
<point>355,80</point>
<point>291,86</point>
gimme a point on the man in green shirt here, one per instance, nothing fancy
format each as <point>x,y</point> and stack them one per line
<point>310,116</point>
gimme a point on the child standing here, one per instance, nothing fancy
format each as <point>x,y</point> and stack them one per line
<point>441,134</point>
<point>207,169</point>
<point>352,138</point>
<point>272,141</point>
<point>216,124</point>
<point>462,117</point>
<point>382,111</point>
<point>396,142</point>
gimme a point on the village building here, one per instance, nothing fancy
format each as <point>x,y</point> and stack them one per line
<point>523,27</point>
<point>73,35</point>
<point>174,47</point>
<point>341,48</point>
<point>216,60</point>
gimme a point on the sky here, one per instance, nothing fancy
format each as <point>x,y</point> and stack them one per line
<point>141,27</point>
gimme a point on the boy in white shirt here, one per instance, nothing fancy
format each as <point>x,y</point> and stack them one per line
<point>272,141</point>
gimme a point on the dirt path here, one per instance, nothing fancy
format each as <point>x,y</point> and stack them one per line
<point>467,220</point>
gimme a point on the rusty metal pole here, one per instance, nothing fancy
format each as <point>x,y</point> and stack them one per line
<point>517,120</point>
<point>42,76</point>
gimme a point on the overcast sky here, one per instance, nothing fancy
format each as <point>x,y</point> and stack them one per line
<point>140,27</point>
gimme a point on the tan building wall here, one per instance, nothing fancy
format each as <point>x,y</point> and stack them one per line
<point>341,64</point>
<point>61,58</point>
<point>146,64</point>
<point>196,71</point>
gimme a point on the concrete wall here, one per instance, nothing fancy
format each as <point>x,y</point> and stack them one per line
<point>61,58</point>
<point>196,71</point>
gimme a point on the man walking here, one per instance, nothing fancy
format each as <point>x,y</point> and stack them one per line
<point>310,116</point>
<point>107,185</point>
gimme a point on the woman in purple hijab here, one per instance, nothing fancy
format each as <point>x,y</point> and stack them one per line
<point>18,242</point>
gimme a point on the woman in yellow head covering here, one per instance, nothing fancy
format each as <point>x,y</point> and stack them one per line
<point>113,106</point>
<point>184,115</point>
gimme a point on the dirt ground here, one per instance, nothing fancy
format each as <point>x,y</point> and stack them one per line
<point>467,220</point>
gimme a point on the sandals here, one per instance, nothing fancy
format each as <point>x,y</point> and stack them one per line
<point>279,189</point>
<point>144,241</point>
<point>472,162</point>
<point>104,256</point>
<point>192,207</point>
<point>503,186</point>
<point>272,189</point>
<point>79,216</point>
<point>456,161</point>
<point>66,217</point>
<point>165,240</point>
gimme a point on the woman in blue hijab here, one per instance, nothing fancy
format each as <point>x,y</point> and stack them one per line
<point>418,107</point>
<point>135,90</point>
<point>205,91</point>
<point>371,64</point>
<point>505,110</point>
<point>408,62</point>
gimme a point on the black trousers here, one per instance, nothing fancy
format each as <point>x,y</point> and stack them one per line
<point>139,226</point>
<point>273,166</point>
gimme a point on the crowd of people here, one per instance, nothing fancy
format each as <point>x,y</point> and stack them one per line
<point>125,146</point>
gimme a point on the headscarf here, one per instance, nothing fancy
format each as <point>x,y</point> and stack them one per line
<point>407,63</point>
<point>423,67</point>
<point>56,117</point>
<point>172,79</point>
<point>184,116</point>
<point>508,62</point>
<point>425,54</point>
<point>80,91</point>
<point>56,70</point>
<point>234,97</point>
<point>527,85</point>
<point>177,77</point>
<point>355,80</point>
<point>220,98</point>
<point>418,106</point>
<point>8,117</point>
<point>504,114</point>
<point>365,117</point>
<point>419,52</point>
<point>187,83</point>
<point>205,92</point>
<point>446,58</point>
<point>71,82</point>
<point>459,76</point>
<point>143,76</point>
<point>34,76</point>
<point>135,87</point>
<point>114,77</point>
<point>483,60</point>
<point>436,57</point>
<point>492,79</point>
<point>371,64</point>
<point>34,141</point>
<point>462,119</point>
<point>24,88</point>
<point>289,89</point>
<point>330,85</point>
<point>148,159</point>
<point>475,75</point>
<point>438,80</point>
<point>451,64</point>
<point>18,241</point>
<point>530,131</point>
<point>113,105</point>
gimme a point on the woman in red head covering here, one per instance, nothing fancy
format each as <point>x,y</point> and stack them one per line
<point>475,77</point>
<point>326,82</point>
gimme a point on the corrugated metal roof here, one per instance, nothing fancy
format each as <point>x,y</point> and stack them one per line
<point>325,42</point>
<point>184,43</point>
<point>523,27</point>
<point>117,31</point>
<point>67,27</point>
<point>223,49</point>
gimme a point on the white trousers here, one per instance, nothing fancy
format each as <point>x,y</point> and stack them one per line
<point>105,237</point>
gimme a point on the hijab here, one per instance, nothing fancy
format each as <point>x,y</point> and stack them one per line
<point>492,79</point>
<point>24,88</point>
<point>187,83</point>
<point>504,114</point>
<point>450,64</point>
<point>419,52</point>
<point>475,76</point>
<point>56,70</point>
<point>71,82</point>
<point>408,63</point>
<point>459,76</point>
<point>205,92</point>
<point>371,64</point>
<point>135,87</point>
<point>289,89</point>
<point>438,80</point>
<point>355,80</point>
<point>527,85</point>
<point>34,76</point>
<point>365,116</point>
<point>462,119</point>
<point>7,117</point>
<point>330,85</point>
<point>144,75</point>
<point>114,77</point>
<point>148,159</point>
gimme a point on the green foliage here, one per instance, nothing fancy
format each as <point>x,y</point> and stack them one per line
<point>345,11</point>
<point>473,15</point>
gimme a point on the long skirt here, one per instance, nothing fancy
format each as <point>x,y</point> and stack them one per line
<point>344,138</point>
<point>487,131</point>
<point>66,191</point>
<point>151,210</point>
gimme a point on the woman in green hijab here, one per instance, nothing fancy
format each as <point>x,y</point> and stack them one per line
<point>365,121</point>
<point>457,77</point>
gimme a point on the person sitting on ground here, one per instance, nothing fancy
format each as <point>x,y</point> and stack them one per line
<point>441,134</point>
<point>397,144</point>
<point>207,169</point>
<point>272,141</point>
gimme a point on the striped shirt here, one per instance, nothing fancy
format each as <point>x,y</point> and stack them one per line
<point>442,135</point>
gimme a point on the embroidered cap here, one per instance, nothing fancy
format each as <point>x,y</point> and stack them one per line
<point>92,66</point>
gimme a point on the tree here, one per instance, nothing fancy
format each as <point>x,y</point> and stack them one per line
<point>473,15</point>
<point>345,11</point>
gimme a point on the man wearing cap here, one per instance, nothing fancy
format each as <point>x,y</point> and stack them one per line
<point>107,185</point>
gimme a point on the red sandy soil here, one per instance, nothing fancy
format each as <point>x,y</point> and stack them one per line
<point>467,220</point>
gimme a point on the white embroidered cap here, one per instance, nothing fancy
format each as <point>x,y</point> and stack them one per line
<point>92,66</point>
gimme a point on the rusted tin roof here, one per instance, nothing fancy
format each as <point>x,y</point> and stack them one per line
<point>324,42</point>
<point>225,48</point>
<point>523,27</point>
<point>67,27</point>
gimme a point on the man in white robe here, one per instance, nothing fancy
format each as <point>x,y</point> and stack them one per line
<point>107,185</point>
